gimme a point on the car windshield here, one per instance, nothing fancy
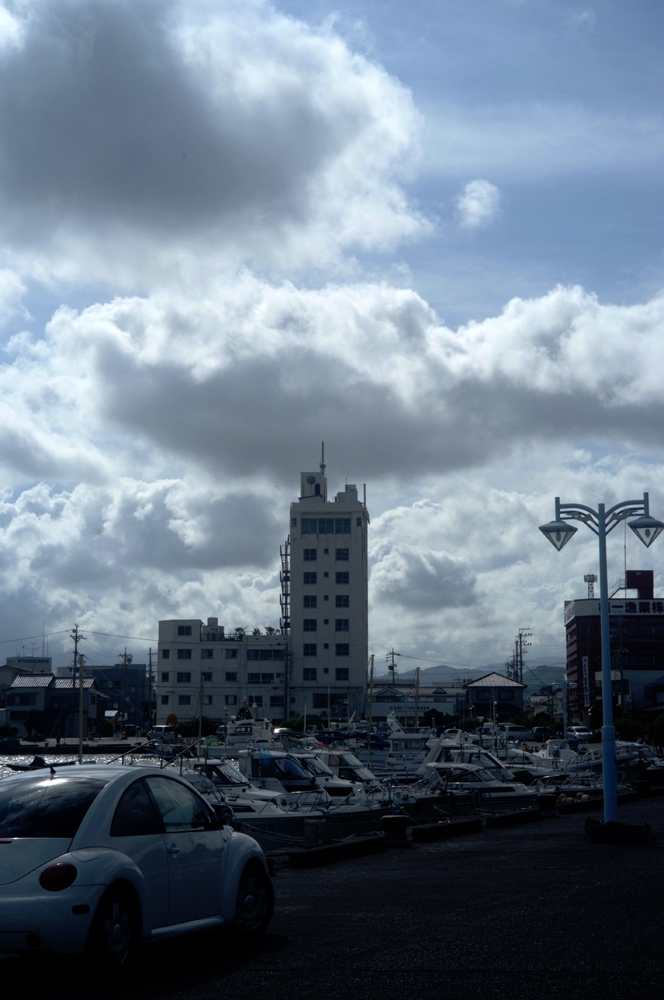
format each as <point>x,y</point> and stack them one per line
<point>42,806</point>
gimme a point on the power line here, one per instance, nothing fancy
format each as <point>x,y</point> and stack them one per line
<point>41,635</point>
<point>114,635</point>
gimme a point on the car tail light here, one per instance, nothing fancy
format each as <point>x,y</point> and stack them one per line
<point>57,877</point>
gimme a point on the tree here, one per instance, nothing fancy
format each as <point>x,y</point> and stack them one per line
<point>172,719</point>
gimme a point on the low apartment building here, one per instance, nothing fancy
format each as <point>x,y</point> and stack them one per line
<point>200,665</point>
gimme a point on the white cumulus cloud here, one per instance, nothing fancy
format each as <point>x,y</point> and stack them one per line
<point>478,204</point>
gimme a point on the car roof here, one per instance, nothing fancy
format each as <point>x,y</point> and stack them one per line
<point>106,771</point>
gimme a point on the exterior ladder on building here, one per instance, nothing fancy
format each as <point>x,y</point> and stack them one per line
<point>284,578</point>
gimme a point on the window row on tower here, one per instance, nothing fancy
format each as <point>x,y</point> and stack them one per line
<point>340,648</point>
<point>311,555</point>
<point>311,600</point>
<point>341,578</point>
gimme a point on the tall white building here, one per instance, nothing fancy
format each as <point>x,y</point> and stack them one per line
<point>328,598</point>
<point>317,661</point>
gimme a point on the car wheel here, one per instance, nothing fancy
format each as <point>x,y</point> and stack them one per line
<point>115,930</point>
<point>255,901</point>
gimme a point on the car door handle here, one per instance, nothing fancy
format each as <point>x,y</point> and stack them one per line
<point>173,849</point>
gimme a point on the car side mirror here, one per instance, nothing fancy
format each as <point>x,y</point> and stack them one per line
<point>224,814</point>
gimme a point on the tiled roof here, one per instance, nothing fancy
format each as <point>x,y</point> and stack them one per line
<point>494,680</point>
<point>33,681</point>
<point>66,683</point>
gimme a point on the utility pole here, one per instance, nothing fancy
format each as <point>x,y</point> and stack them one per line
<point>150,688</point>
<point>521,641</point>
<point>200,717</point>
<point>371,684</point>
<point>77,636</point>
<point>391,665</point>
<point>417,694</point>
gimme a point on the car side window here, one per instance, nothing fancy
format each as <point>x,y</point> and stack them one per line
<point>135,815</point>
<point>180,808</point>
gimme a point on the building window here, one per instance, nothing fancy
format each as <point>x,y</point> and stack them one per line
<point>164,678</point>
<point>278,654</point>
<point>164,699</point>
<point>326,645</point>
<point>206,677</point>
<point>183,678</point>
<point>165,654</point>
<point>207,654</point>
<point>310,601</point>
<point>231,678</point>
<point>343,577</point>
<point>310,649</point>
<point>276,700</point>
<point>310,674</point>
<point>310,555</point>
<point>184,654</point>
<point>207,699</point>
<point>326,621</point>
<point>358,522</point>
<point>231,699</point>
<point>231,654</point>
<point>342,555</point>
<point>341,624</point>
<point>341,600</point>
<point>326,597</point>
<point>310,578</point>
<point>267,678</point>
<point>320,700</point>
<point>309,624</point>
<point>293,522</point>
<point>326,574</point>
<point>253,678</point>
<point>184,699</point>
<point>326,670</point>
<point>342,649</point>
<point>326,552</point>
<point>255,699</point>
<point>184,629</point>
<point>341,673</point>
<point>325,526</point>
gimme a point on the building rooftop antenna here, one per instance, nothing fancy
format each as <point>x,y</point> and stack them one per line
<point>590,579</point>
<point>322,469</point>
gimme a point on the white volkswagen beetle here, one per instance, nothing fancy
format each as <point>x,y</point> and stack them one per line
<point>100,858</point>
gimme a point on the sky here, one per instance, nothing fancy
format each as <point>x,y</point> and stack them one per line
<point>428,234</point>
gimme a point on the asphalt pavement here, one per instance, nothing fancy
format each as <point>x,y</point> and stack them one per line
<point>527,912</point>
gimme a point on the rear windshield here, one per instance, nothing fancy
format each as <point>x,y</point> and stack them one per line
<point>42,806</point>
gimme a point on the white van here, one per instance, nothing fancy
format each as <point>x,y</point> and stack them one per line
<point>164,733</point>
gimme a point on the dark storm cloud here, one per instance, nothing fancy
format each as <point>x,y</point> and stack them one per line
<point>208,128</point>
<point>263,415</point>
<point>101,116</point>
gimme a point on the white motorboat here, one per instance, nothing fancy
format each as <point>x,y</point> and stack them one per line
<point>488,793</point>
<point>399,752</point>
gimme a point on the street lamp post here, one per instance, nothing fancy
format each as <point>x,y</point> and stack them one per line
<point>602,522</point>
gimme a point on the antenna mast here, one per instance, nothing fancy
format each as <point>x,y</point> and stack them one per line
<point>322,467</point>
